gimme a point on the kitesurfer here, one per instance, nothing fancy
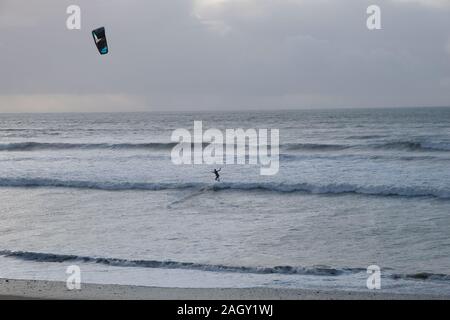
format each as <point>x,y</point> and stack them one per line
<point>216,172</point>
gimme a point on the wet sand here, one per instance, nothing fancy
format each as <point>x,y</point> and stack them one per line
<point>37,289</point>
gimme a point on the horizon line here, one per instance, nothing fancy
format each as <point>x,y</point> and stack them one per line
<point>240,110</point>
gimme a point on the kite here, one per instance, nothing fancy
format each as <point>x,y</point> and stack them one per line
<point>100,40</point>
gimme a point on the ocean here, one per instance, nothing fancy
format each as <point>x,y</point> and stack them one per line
<point>355,187</point>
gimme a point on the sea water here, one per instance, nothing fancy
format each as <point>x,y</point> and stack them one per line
<point>355,187</point>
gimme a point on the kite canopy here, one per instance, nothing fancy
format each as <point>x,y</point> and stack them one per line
<point>100,40</point>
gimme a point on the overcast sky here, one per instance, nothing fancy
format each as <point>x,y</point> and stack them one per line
<point>223,55</point>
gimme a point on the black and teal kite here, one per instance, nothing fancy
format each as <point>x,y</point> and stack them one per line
<point>100,40</point>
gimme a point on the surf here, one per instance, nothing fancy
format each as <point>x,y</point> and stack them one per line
<point>317,270</point>
<point>35,146</point>
<point>309,188</point>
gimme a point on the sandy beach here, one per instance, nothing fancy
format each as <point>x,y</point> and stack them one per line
<point>33,289</point>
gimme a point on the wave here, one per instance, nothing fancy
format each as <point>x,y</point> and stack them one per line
<point>395,145</point>
<point>318,270</point>
<point>50,257</point>
<point>339,189</point>
<point>31,146</point>
<point>314,147</point>
<point>359,157</point>
<point>414,146</point>
<point>80,184</point>
<point>334,189</point>
<point>422,276</point>
<point>35,146</point>
<point>391,145</point>
<point>365,137</point>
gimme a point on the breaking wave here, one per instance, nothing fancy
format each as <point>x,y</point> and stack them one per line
<point>392,145</point>
<point>395,145</point>
<point>169,264</point>
<point>422,276</point>
<point>406,191</point>
<point>49,257</point>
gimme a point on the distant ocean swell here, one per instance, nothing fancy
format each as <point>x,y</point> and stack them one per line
<point>362,156</point>
<point>389,145</point>
<point>292,270</point>
<point>336,189</point>
<point>31,146</point>
<point>395,145</point>
<point>414,146</point>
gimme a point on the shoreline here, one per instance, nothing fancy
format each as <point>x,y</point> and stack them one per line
<point>11,289</point>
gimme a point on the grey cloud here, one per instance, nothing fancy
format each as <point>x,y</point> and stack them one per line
<point>234,54</point>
